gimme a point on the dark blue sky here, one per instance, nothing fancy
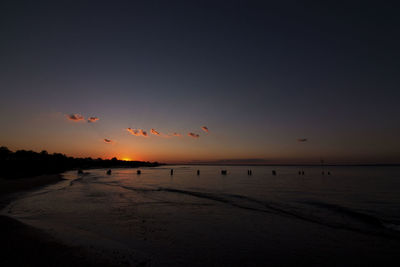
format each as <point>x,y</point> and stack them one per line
<point>259,75</point>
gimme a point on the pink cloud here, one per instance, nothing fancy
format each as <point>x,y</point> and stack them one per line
<point>92,119</point>
<point>193,135</point>
<point>153,131</point>
<point>132,131</point>
<point>204,128</point>
<point>75,117</point>
<point>137,132</point>
<point>144,133</point>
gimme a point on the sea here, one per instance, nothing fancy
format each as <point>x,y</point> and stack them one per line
<point>198,216</point>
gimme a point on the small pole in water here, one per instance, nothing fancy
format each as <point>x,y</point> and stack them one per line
<point>109,172</point>
<point>138,172</point>
<point>223,172</point>
<point>198,172</point>
<point>299,172</point>
<point>302,172</point>
<point>329,173</point>
<point>249,172</point>
<point>172,171</point>
<point>273,172</point>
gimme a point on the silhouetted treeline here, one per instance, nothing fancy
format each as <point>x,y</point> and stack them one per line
<point>23,163</point>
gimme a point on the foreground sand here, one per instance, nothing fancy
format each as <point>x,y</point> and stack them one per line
<point>198,235</point>
<point>23,245</point>
<point>10,188</point>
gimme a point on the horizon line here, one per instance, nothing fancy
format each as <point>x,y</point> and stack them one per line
<point>282,164</point>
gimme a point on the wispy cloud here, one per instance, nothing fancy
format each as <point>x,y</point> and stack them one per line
<point>137,132</point>
<point>75,117</point>
<point>301,140</point>
<point>176,134</point>
<point>204,128</point>
<point>92,119</point>
<point>193,135</point>
<point>153,131</point>
<point>133,131</point>
<point>108,141</point>
<point>144,133</point>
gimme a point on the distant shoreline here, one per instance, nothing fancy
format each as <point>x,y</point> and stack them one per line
<point>27,163</point>
<point>287,165</point>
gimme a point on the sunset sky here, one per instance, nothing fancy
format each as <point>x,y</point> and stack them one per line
<point>271,83</point>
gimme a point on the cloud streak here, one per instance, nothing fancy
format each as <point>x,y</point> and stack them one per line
<point>301,140</point>
<point>193,135</point>
<point>205,128</point>
<point>153,131</point>
<point>137,132</point>
<point>75,117</point>
<point>92,119</point>
<point>108,141</point>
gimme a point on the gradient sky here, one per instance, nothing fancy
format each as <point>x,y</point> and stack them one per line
<point>260,76</point>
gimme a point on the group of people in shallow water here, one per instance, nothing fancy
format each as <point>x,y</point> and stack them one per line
<point>223,172</point>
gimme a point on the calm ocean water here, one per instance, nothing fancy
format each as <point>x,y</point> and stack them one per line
<point>170,218</point>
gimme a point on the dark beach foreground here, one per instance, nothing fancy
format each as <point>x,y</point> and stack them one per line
<point>10,188</point>
<point>23,245</point>
<point>172,224</point>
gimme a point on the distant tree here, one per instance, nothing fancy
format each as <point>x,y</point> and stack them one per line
<point>25,163</point>
<point>4,152</point>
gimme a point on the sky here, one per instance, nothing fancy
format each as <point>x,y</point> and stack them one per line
<point>287,82</point>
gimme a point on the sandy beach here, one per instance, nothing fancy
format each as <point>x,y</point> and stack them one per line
<point>23,245</point>
<point>155,220</point>
<point>10,188</point>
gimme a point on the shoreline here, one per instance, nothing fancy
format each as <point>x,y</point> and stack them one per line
<point>286,240</point>
<point>24,245</point>
<point>10,189</point>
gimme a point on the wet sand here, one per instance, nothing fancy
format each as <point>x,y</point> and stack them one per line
<point>11,188</point>
<point>23,245</point>
<point>273,240</point>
